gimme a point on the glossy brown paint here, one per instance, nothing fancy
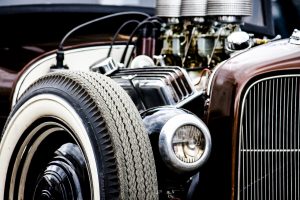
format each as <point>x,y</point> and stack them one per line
<point>228,86</point>
<point>7,79</point>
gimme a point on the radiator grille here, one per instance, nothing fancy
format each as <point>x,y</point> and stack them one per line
<point>269,152</point>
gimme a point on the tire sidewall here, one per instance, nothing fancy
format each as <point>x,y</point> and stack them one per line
<point>58,104</point>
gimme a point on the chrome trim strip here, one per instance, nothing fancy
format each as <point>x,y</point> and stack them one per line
<point>211,77</point>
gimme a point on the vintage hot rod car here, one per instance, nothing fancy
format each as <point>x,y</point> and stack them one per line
<point>195,99</point>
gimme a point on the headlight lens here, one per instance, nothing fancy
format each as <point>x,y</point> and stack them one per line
<point>188,143</point>
<point>184,143</point>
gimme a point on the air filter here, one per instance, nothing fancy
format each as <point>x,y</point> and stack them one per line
<point>229,7</point>
<point>168,8</point>
<point>193,8</point>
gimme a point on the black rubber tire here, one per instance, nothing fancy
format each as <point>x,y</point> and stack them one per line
<point>119,141</point>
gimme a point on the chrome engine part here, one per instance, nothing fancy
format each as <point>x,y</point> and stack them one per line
<point>195,8</point>
<point>155,86</point>
<point>202,35</point>
<point>237,41</point>
<point>229,8</point>
<point>168,8</point>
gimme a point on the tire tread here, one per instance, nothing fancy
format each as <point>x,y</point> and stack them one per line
<point>129,169</point>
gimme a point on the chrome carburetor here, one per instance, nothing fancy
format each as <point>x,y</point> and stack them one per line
<point>199,34</point>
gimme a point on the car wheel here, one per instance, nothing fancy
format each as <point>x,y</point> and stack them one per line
<point>76,135</point>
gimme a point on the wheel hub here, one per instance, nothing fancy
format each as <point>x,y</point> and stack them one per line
<point>63,177</point>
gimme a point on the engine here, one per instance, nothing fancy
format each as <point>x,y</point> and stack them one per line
<point>152,87</point>
<point>175,51</point>
<point>167,75</point>
<point>173,56</point>
<point>196,35</point>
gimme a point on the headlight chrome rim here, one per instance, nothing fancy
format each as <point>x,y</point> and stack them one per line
<point>166,147</point>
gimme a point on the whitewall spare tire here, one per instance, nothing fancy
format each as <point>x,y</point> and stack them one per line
<point>76,135</point>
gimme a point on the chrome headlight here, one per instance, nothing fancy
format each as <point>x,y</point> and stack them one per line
<point>184,142</point>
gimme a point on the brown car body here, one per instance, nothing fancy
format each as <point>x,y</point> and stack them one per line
<point>228,86</point>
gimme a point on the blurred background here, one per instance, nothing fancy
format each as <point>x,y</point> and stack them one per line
<point>285,15</point>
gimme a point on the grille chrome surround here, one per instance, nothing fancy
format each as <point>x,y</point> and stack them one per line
<point>269,151</point>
